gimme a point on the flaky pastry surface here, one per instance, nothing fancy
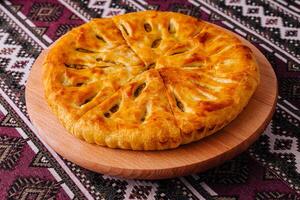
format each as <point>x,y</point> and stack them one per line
<point>148,80</point>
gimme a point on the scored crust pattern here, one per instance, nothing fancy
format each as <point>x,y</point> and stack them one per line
<point>148,80</point>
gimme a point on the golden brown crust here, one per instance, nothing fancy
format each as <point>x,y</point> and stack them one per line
<point>99,82</point>
<point>81,70</point>
<point>203,103</point>
<point>151,33</point>
<point>137,117</point>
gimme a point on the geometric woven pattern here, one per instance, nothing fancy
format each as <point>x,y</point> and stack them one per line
<point>46,12</point>
<point>10,151</point>
<point>267,20</point>
<point>279,145</point>
<point>283,147</point>
<point>140,192</point>
<point>9,121</point>
<point>40,161</point>
<point>33,188</point>
<point>11,61</point>
<point>275,195</point>
<point>232,172</point>
<point>104,6</point>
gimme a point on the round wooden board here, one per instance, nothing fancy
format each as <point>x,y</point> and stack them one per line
<point>187,159</point>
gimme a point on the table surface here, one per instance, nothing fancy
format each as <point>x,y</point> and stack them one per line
<point>30,169</point>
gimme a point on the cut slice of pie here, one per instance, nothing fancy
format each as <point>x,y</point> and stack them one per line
<point>204,102</point>
<point>71,92</point>
<point>151,34</point>
<point>98,42</point>
<point>138,116</point>
<point>76,79</point>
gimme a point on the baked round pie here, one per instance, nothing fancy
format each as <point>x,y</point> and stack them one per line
<point>148,80</point>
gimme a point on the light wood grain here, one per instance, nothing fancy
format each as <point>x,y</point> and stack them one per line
<point>187,159</point>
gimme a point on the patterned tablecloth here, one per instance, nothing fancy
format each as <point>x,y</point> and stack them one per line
<point>29,169</point>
